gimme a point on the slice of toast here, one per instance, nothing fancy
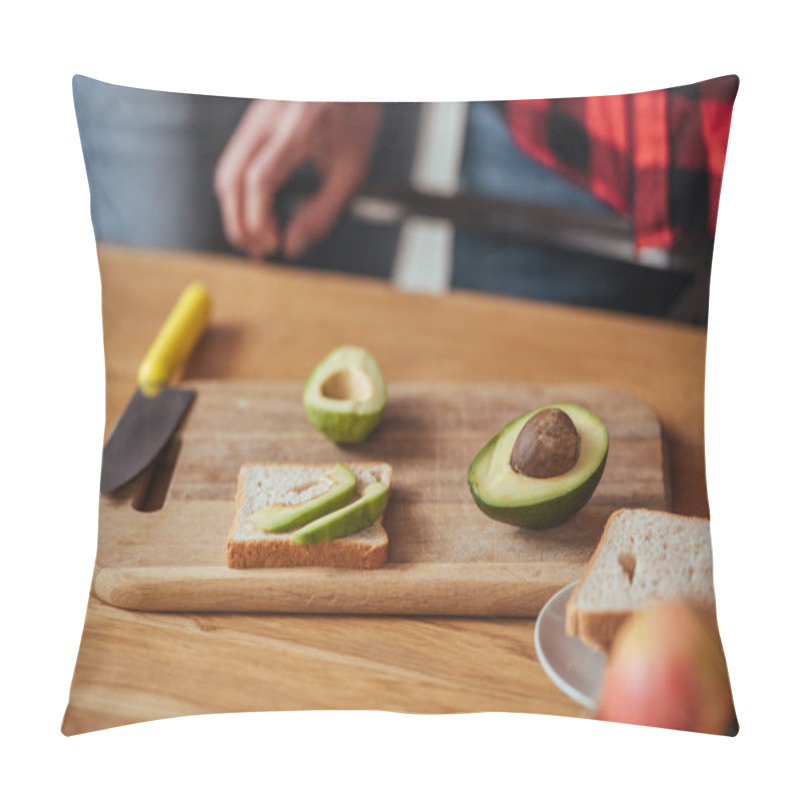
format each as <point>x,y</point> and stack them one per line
<point>263,484</point>
<point>643,556</point>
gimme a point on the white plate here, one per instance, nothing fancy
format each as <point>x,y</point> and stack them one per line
<point>575,668</point>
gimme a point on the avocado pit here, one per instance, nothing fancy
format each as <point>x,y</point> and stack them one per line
<point>548,445</point>
<point>508,495</point>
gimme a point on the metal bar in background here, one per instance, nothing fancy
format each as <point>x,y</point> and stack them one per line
<point>573,230</point>
<point>513,221</point>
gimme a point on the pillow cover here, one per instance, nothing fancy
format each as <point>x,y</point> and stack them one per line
<point>559,253</point>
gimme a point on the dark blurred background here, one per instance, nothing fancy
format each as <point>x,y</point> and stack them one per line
<point>449,201</point>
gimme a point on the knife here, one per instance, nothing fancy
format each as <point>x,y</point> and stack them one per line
<point>523,222</point>
<point>156,411</point>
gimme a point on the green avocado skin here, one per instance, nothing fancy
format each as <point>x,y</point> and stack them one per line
<point>548,513</point>
<point>539,515</point>
<point>286,519</point>
<point>344,521</point>
<point>345,428</point>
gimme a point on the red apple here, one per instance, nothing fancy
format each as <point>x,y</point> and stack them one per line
<point>667,669</point>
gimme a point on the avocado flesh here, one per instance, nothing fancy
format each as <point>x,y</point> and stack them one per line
<point>280,517</point>
<point>356,516</point>
<point>538,503</point>
<point>345,395</point>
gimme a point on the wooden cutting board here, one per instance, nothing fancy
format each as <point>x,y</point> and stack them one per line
<point>445,556</point>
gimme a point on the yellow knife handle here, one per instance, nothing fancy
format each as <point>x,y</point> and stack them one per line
<point>175,340</point>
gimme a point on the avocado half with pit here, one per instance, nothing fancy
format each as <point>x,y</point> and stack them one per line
<point>542,468</point>
<point>345,394</point>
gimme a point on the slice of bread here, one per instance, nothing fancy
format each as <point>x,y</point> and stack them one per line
<point>263,484</point>
<point>643,557</point>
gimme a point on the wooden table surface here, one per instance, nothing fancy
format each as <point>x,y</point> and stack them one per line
<point>273,323</point>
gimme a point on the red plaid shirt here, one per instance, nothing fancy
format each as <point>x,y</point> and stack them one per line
<point>654,156</point>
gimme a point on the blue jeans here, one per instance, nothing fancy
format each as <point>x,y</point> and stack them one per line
<point>494,167</point>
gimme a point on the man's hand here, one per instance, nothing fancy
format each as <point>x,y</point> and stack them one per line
<point>272,140</point>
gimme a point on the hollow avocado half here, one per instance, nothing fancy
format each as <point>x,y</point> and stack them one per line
<point>345,394</point>
<point>281,517</point>
<point>537,503</point>
<point>352,518</point>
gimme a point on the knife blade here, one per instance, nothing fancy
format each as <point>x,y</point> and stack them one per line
<point>522,222</point>
<point>156,410</point>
